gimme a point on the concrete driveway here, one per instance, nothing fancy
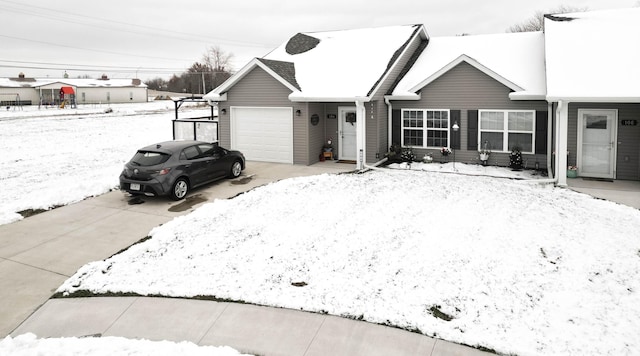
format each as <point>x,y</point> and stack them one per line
<point>38,253</point>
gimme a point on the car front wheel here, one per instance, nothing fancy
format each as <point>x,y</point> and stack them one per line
<point>180,189</point>
<point>236,170</point>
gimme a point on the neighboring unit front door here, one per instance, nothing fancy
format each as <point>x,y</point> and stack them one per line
<point>597,130</point>
<point>347,135</point>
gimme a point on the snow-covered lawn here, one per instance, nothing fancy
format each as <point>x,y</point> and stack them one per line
<point>54,157</point>
<point>29,344</point>
<point>515,266</point>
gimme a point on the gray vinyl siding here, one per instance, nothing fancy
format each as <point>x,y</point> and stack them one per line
<point>317,132</point>
<point>259,89</point>
<point>628,150</point>
<point>373,128</point>
<point>466,88</point>
<point>383,131</point>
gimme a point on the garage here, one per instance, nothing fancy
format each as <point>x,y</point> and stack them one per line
<point>263,134</point>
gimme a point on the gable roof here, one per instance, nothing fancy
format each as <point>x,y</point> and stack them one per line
<point>514,59</point>
<point>333,65</point>
<point>593,56</point>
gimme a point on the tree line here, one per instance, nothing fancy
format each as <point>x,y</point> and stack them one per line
<point>201,77</point>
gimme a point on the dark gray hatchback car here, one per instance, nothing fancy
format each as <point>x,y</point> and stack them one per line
<point>173,168</point>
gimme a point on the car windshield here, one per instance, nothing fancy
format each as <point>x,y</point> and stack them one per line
<point>146,158</point>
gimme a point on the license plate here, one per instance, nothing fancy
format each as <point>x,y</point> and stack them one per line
<point>134,186</point>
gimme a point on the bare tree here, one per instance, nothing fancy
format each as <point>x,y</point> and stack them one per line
<point>217,59</point>
<point>219,63</point>
<point>536,22</point>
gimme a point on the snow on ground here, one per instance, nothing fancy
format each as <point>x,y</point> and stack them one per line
<point>518,267</point>
<point>30,345</point>
<point>54,157</point>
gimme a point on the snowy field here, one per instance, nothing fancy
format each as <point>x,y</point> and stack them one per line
<point>506,264</point>
<point>53,157</point>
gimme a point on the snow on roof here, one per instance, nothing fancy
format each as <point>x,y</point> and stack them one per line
<point>78,83</point>
<point>594,55</point>
<point>343,64</point>
<point>514,59</point>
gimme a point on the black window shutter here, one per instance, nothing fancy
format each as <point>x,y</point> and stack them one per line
<point>455,135</point>
<point>472,130</point>
<point>396,127</point>
<point>541,132</point>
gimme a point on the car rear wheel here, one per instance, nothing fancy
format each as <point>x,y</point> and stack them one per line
<point>180,189</point>
<point>236,170</point>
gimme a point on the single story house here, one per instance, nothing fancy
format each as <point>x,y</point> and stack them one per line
<point>22,90</point>
<point>367,89</point>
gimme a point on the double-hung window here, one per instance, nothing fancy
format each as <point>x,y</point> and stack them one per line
<point>504,130</point>
<point>425,128</point>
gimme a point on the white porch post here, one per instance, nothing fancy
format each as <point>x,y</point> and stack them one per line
<point>361,133</point>
<point>562,116</point>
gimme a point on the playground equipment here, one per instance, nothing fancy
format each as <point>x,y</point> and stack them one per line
<point>9,100</point>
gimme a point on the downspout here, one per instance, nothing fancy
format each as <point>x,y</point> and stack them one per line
<point>361,120</point>
<point>561,149</point>
<point>389,121</point>
<point>549,141</point>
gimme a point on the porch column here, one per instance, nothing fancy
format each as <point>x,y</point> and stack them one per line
<point>361,132</point>
<point>562,115</point>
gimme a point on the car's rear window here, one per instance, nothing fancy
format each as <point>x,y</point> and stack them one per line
<point>146,158</point>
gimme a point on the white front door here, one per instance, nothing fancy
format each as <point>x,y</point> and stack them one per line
<point>597,130</point>
<point>347,136</point>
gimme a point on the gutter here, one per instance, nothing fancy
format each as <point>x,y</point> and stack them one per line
<point>321,99</point>
<point>596,99</point>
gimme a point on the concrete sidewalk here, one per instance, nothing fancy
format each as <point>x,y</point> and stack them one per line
<point>247,328</point>
<point>40,252</point>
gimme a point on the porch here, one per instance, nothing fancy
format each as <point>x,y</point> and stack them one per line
<point>625,192</point>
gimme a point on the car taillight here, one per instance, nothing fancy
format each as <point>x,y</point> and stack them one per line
<point>164,171</point>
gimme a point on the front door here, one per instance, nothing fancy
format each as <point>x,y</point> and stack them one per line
<point>347,137</point>
<point>597,131</point>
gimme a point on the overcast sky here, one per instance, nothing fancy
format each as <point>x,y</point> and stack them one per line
<point>157,38</point>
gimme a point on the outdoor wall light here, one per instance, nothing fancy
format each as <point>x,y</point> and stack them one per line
<point>224,111</point>
<point>298,112</point>
<point>455,128</point>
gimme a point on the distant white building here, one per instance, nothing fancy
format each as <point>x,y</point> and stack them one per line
<point>51,91</point>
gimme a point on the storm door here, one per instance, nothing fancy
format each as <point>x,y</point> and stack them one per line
<point>347,137</point>
<point>596,143</point>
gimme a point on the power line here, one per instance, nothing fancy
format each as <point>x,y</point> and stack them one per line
<point>93,50</point>
<point>168,33</point>
<point>90,66</point>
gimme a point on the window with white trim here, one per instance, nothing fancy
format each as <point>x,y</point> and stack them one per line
<point>425,128</point>
<point>505,129</point>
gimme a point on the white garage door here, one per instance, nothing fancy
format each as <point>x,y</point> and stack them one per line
<point>263,134</point>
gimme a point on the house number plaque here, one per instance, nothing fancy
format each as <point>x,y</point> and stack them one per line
<point>629,122</point>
